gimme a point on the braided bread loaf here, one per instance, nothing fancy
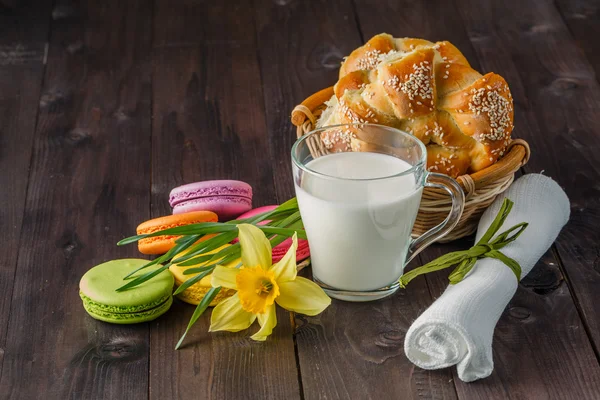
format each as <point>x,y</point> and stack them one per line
<point>429,90</point>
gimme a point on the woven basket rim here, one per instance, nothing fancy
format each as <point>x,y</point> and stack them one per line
<point>304,118</point>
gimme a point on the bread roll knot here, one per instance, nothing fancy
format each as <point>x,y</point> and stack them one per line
<point>429,90</point>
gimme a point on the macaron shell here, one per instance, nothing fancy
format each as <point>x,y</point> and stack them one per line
<point>99,284</point>
<point>162,244</point>
<point>209,189</point>
<point>128,318</point>
<point>226,207</point>
<point>258,210</point>
<point>302,252</point>
<point>195,293</point>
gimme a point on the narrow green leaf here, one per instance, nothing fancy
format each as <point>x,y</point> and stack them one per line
<point>498,221</point>
<point>195,270</point>
<point>192,229</point>
<point>206,300</point>
<point>462,270</point>
<point>143,278</point>
<point>207,245</point>
<point>282,231</point>
<point>167,256</point>
<point>150,263</point>
<point>192,281</point>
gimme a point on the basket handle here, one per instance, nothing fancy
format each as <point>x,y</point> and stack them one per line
<point>518,154</point>
<point>306,108</point>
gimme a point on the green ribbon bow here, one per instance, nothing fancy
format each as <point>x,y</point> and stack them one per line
<point>484,248</point>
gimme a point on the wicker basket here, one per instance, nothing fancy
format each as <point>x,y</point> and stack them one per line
<point>481,188</point>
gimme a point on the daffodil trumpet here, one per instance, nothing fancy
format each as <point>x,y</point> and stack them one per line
<point>259,285</point>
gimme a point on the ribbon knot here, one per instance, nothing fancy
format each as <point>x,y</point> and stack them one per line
<point>479,250</point>
<point>485,247</point>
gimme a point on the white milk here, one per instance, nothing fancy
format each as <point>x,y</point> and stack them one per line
<point>359,231</point>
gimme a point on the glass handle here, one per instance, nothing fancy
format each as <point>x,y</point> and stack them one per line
<point>457,195</point>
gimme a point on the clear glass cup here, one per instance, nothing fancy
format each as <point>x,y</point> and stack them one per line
<point>359,204</point>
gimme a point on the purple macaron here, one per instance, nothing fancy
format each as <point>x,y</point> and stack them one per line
<point>227,198</point>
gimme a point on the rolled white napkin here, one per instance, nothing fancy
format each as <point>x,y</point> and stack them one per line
<point>457,329</point>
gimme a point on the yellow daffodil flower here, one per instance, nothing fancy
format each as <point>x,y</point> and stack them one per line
<point>259,284</point>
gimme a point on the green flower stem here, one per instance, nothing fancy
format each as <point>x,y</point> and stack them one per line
<point>484,248</point>
<point>200,308</point>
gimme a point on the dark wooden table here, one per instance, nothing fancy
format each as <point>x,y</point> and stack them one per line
<point>107,105</point>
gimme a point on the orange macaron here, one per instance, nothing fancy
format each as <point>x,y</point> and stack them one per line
<point>162,244</point>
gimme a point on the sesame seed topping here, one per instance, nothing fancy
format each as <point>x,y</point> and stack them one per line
<point>498,110</point>
<point>417,83</point>
<point>370,59</point>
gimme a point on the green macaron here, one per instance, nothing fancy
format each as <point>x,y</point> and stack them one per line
<point>142,303</point>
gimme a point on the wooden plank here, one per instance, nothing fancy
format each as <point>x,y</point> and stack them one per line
<point>23,36</point>
<point>432,20</point>
<point>356,350</point>
<point>88,187</point>
<point>541,350</point>
<point>552,79</point>
<point>582,16</point>
<point>209,124</point>
<point>352,349</point>
<point>441,21</point>
<point>301,46</point>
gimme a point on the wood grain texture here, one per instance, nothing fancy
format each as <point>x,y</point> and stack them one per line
<point>431,20</point>
<point>356,351</point>
<point>442,21</point>
<point>88,187</point>
<point>539,341</point>
<point>209,124</point>
<point>301,47</point>
<point>583,20</point>
<point>23,36</point>
<point>554,84</point>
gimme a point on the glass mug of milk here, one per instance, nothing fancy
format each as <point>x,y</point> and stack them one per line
<point>359,203</point>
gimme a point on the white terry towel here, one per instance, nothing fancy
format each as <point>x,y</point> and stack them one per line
<point>457,329</point>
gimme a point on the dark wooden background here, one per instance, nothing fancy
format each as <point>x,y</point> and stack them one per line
<point>107,105</point>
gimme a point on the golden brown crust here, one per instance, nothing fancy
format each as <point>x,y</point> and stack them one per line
<point>353,81</point>
<point>367,57</point>
<point>429,90</point>
<point>409,84</point>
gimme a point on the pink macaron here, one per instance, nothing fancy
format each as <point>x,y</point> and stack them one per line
<point>302,252</point>
<point>226,198</point>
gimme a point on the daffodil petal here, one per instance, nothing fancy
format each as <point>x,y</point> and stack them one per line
<point>224,276</point>
<point>267,322</point>
<point>256,248</point>
<point>229,315</point>
<point>285,269</point>
<point>302,296</point>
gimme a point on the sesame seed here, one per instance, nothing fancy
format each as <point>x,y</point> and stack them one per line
<point>498,110</point>
<point>417,83</point>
